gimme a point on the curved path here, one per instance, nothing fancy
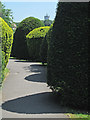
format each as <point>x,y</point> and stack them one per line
<point>25,93</point>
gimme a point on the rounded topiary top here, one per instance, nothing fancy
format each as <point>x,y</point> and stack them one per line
<point>34,40</point>
<point>20,47</point>
<point>29,24</point>
<point>38,32</point>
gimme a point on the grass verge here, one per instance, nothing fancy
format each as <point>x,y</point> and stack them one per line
<point>12,58</point>
<point>72,112</point>
<point>6,72</point>
<point>79,116</point>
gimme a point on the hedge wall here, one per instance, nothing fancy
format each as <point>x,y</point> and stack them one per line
<point>44,45</point>
<point>68,54</point>
<point>0,51</point>
<point>34,40</point>
<point>19,49</point>
<point>6,36</point>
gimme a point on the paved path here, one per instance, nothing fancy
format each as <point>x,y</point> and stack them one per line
<point>25,93</point>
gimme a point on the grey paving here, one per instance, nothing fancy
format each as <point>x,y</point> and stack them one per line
<point>25,93</point>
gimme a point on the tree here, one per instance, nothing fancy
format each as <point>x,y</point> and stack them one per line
<point>6,14</point>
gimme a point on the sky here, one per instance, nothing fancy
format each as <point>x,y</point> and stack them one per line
<point>24,9</point>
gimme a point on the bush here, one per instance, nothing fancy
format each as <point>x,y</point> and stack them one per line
<point>19,49</point>
<point>6,35</point>
<point>34,40</point>
<point>2,55</point>
<point>0,64</point>
<point>68,54</point>
<point>44,46</point>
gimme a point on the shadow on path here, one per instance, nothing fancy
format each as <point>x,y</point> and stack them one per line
<point>35,78</point>
<point>36,68</point>
<point>34,104</point>
<point>22,61</point>
<point>39,73</point>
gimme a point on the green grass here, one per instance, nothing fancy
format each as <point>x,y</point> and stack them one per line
<point>44,63</point>
<point>20,59</point>
<point>6,72</point>
<point>12,58</point>
<point>27,60</point>
<point>78,115</point>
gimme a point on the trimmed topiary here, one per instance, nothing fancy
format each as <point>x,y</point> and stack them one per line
<point>0,64</point>
<point>19,49</point>
<point>34,40</point>
<point>6,35</point>
<point>44,46</point>
<point>68,54</point>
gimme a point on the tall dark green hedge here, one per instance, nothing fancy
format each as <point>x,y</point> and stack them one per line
<point>19,49</point>
<point>6,36</point>
<point>44,46</point>
<point>68,54</point>
<point>34,40</point>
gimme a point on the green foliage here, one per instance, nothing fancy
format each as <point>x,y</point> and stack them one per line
<point>43,50</point>
<point>6,35</point>
<point>3,64</point>
<point>6,14</point>
<point>0,63</point>
<point>68,54</point>
<point>19,49</point>
<point>44,46</point>
<point>34,40</point>
<point>79,116</point>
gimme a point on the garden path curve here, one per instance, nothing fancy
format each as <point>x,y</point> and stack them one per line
<point>25,93</point>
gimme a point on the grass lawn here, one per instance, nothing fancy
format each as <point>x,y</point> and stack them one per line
<point>79,116</point>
